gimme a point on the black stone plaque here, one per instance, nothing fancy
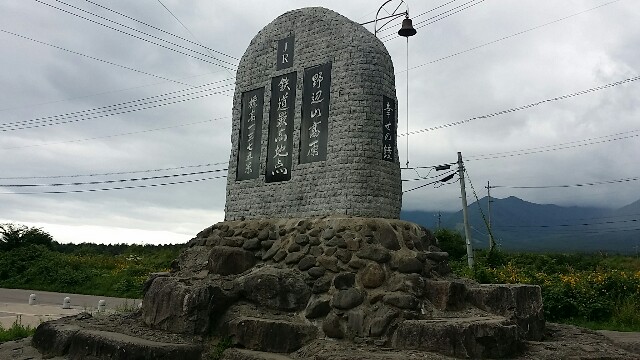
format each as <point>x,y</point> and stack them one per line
<point>388,128</point>
<point>250,135</point>
<point>315,113</point>
<point>285,53</point>
<point>279,151</point>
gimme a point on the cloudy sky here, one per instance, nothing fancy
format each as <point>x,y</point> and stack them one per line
<point>86,89</point>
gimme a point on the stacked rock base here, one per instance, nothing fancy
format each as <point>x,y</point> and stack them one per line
<point>283,285</point>
<point>275,285</point>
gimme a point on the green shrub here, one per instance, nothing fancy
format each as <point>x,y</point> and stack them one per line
<point>452,242</point>
<point>86,271</point>
<point>594,290</point>
<point>16,331</point>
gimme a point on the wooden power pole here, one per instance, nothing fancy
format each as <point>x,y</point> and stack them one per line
<point>465,214</point>
<point>492,241</point>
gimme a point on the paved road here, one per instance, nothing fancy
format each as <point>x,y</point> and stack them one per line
<point>14,304</point>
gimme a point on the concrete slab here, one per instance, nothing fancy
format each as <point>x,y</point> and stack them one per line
<point>32,315</point>
<point>14,305</point>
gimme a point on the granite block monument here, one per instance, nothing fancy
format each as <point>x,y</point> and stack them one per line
<point>314,122</point>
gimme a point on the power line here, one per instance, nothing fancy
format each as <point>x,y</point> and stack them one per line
<point>616,181</point>
<point>115,188</point>
<point>416,16</point>
<point>508,36</point>
<point>435,8</point>
<point>484,219</point>
<point>562,146</point>
<point>105,92</point>
<point>439,176</point>
<point>460,7</point>
<point>443,181</point>
<point>572,232</point>
<point>442,166</point>
<point>93,58</point>
<point>111,136</point>
<point>186,28</point>
<point>115,180</point>
<point>113,113</point>
<point>113,172</point>
<point>117,106</point>
<point>523,107</point>
<point>436,17</point>
<point>138,37</point>
<point>161,30</point>
<point>569,225</point>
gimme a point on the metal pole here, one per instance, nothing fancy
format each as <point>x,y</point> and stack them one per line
<point>465,214</point>
<point>407,101</point>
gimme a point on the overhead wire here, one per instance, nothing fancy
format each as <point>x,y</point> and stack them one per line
<point>117,106</point>
<point>436,18</point>
<point>138,37</point>
<point>604,182</point>
<point>111,136</point>
<point>561,146</point>
<point>508,36</point>
<point>93,57</point>
<point>443,181</point>
<point>75,120</point>
<point>484,218</point>
<point>523,107</point>
<point>115,188</point>
<point>439,176</point>
<point>433,9</point>
<point>426,22</point>
<point>106,92</point>
<point>161,30</point>
<point>189,31</point>
<point>570,225</point>
<point>97,182</point>
<point>113,172</point>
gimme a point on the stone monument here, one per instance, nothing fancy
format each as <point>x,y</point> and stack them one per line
<point>314,122</point>
<point>311,248</point>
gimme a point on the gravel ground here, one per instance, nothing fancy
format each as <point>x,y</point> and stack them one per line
<point>561,342</point>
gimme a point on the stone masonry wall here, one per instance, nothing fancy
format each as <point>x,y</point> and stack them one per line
<point>353,180</point>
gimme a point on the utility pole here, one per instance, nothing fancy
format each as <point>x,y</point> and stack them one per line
<point>465,214</point>
<point>439,219</point>
<point>492,242</point>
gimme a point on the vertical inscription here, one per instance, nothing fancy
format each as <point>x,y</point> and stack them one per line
<point>285,53</point>
<point>279,151</point>
<point>388,128</point>
<point>315,113</point>
<point>250,134</point>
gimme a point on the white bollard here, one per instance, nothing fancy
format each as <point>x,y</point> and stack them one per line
<point>66,303</point>
<point>102,306</point>
<point>32,299</point>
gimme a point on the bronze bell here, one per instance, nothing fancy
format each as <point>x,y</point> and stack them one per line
<point>407,28</point>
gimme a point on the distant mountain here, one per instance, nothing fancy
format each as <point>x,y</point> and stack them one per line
<point>631,209</point>
<point>520,225</point>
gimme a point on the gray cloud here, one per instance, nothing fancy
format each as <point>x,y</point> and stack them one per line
<point>587,50</point>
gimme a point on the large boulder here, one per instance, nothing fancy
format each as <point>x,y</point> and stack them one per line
<point>270,335</point>
<point>279,289</point>
<point>459,337</point>
<point>172,305</point>
<point>226,260</point>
